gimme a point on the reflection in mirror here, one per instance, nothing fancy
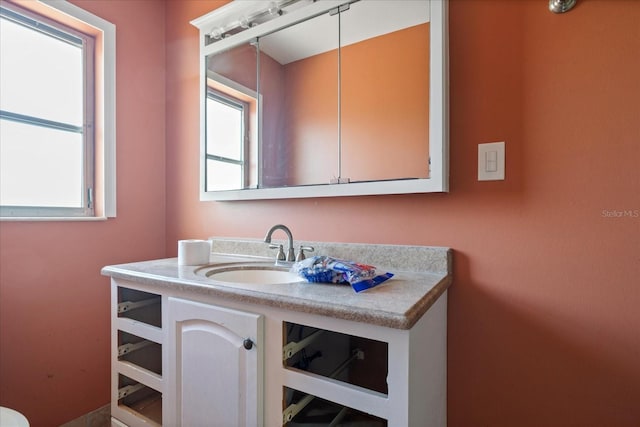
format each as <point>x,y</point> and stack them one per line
<point>231,118</point>
<point>385,90</point>
<point>299,83</point>
<point>365,118</point>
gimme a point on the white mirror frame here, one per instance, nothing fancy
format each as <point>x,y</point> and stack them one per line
<point>438,105</point>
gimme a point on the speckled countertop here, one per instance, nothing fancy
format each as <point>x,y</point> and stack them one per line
<point>421,275</point>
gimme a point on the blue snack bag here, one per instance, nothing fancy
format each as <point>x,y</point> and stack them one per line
<point>324,269</point>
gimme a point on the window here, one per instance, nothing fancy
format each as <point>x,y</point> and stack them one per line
<point>227,142</point>
<point>56,113</point>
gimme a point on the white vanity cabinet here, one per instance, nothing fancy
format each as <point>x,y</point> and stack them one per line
<point>215,360</point>
<point>211,361</point>
<point>390,377</point>
<point>177,362</point>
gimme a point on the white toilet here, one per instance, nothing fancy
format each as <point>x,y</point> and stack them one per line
<point>11,418</point>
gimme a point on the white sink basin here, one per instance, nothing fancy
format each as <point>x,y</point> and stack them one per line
<point>257,275</point>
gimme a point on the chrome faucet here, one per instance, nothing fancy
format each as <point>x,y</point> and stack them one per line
<point>290,252</point>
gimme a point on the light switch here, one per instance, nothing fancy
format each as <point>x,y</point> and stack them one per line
<point>491,161</point>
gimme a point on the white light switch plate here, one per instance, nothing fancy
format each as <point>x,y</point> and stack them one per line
<point>491,161</point>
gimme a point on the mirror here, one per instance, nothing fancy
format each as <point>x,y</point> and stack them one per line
<point>305,140</point>
<point>231,112</point>
<point>385,91</point>
<point>356,113</point>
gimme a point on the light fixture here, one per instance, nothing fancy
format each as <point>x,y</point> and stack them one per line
<point>274,9</point>
<point>216,33</point>
<point>561,6</point>
<point>244,22</point>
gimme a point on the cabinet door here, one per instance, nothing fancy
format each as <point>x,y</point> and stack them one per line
<point>215,377</point>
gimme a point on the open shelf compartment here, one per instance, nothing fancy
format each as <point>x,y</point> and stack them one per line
<point>301,409</point>
<point>140,352</point>
<point>140,306</point>
<point>354,360</point>
<point>139,399</point>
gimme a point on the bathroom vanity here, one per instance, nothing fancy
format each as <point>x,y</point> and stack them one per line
<point>190,350</point>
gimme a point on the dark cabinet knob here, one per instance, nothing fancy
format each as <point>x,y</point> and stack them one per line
<point>248,344</point>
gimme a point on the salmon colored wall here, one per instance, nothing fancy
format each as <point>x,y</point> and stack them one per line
<point>543,312</point>
<point>54,304</point>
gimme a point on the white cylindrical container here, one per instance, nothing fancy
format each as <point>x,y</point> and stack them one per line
<point>193,252</point>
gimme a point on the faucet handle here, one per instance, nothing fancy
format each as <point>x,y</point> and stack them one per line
<point>301,254</point>
<point>280,256</point>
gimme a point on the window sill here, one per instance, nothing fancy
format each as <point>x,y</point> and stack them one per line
<point>53,218</point>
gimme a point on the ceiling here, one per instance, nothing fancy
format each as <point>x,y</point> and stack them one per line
<point>365,19</point>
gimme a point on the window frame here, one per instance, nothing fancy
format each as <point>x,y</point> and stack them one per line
<point>99,181</point>
<point>243,106</point>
